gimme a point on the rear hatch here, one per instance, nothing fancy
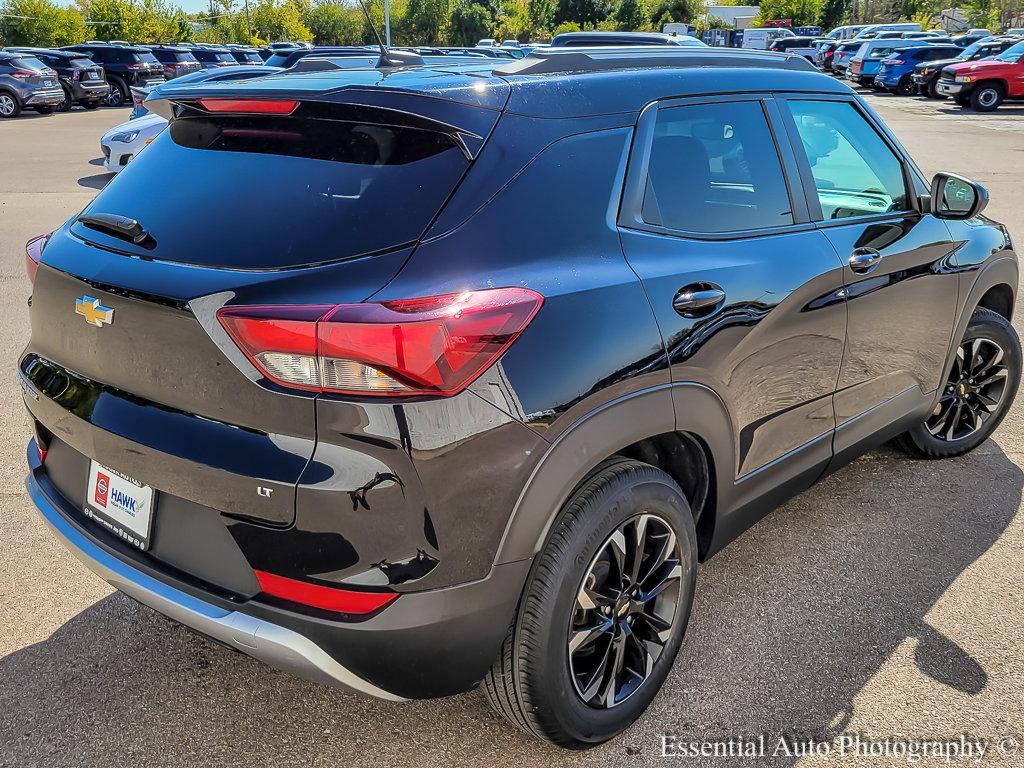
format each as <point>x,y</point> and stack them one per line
<point>89,73</point>
<point>146,67</point>
<point>320,206</point>
<point>30,70</point>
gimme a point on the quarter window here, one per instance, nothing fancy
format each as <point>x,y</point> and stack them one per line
<point>855,173</point>
<point>713,169</point>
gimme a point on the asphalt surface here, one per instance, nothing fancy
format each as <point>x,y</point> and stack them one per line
<point>888,600</point>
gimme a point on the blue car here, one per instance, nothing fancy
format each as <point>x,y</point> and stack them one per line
<point>895,73</point>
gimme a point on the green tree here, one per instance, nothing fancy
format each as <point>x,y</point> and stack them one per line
<point>470,22</point>
<point>982,13</point>
<point>586,13</point>
<point>542,13</point>
<point>680,11</point>
<point>332,24</point>
<point>566,26</point>
<point>273,20</point>
<point>802,12</point>
<point>425,21</point>
<point>46,24</point>
<point>632,14</point>
<point>834,12</point>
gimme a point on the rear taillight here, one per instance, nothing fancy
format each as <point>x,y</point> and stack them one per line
<point>76,74</point>
<point>250,106</point>
<point>324,598</point>
<point>23,74</point>
<point>894,62</point>
<point>433,346</point>
<point>33,254</point>
<point>829,54</point>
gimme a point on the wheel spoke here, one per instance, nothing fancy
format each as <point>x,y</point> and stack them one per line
<point>991,376</point>
<point>668,547</point>
<point>953,420</point>
<point>640,543</point>
<point>673,571</point>
<point>617,546</point>
<point>660,628</point>
<point>615,664</point>
<point>597,676</point>
<point>581,638</point>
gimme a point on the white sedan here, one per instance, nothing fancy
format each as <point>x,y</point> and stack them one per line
<point>123,142</point>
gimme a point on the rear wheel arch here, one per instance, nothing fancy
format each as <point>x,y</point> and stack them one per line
<point>691,448</point>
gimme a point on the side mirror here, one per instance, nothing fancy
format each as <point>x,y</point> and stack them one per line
<point>954,197</point>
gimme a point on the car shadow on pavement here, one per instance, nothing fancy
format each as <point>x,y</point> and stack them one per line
<point>790,622</point>
<point>96,181</point>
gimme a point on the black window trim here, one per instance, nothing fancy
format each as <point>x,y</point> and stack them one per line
<point>913,181</point>
<point>631,207</point>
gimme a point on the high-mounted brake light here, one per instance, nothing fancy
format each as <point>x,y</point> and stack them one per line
<point>325,598</point>
<point>436,345</point>
<point>33,254</point>
<point>250,106</point>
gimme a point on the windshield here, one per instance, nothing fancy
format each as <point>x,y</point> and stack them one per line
<point>971,50</point>
<point>1012,54</point>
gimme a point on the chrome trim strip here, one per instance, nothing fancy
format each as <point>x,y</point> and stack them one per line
<point>278,646</point>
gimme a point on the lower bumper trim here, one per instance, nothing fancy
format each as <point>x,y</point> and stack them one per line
<point>278,646</point>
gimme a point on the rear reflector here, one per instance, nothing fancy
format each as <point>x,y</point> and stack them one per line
<point>428,346</point>
<point>325,598</point>
<point>33,253</point>
<point>250,106</point>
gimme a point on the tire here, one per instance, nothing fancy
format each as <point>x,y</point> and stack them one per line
<point>118,95</point>
<point>9,105</point>
<point>533,684</point>
<point>931,90</point>
<point>963,101</point>
<point>69,101</point>
<point>44,110</point>
<point>905,87</point>
<point>986,97</point>
<point>986,328</point>
<point>91,104</point>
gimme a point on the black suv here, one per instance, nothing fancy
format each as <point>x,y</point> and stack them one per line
<point>512,349</point>
<point>926,75</point>
<point>81,79</point>
<point>176,60</point>
<point>125,66</point>
<point>286,57</point>
<point>25,81</point>
<point>210,56</point>
<point>245,55</point>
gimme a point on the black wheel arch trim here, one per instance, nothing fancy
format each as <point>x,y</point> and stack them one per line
<point>1000,271</point>
<point>681,407</point>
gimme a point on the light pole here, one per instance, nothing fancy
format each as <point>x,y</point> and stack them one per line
<point>387,23</point>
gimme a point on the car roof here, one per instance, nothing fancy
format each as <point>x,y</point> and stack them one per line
<point>558,82</point>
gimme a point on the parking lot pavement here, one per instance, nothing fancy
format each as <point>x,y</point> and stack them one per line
<point>888,600</point>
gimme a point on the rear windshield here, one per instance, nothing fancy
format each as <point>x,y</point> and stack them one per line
<point>279,59</point>
<point>28,62</point>
<point>248,56</point>
<point>214,56</point>
<point>144,58</point>
<point>82,62</point>
<point>266,192</point>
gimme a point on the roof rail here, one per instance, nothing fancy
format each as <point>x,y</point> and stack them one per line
<point>603,59</point>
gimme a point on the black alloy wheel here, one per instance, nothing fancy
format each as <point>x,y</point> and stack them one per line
<point>981,385</point>
<point>625,611</point>
<point>974,391</point>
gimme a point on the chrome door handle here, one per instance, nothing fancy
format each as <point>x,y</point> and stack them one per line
<point>863,260</point>
<point>698,300</point>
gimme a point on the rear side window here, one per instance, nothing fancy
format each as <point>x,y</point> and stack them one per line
<point>262,192</point>
<point>713,169</point>
<point>855,172</point>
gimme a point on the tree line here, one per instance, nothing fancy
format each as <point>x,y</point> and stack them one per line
<point>428,22</point>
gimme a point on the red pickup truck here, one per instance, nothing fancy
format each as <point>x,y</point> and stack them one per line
<point>984,84</point>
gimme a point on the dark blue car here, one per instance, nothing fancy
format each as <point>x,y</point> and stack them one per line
<point>895,72</point>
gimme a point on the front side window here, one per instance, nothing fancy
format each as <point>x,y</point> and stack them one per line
<point>855,173</point>
<point>714,168</point>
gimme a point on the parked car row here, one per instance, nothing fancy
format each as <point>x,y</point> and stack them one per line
<point>977,69</point>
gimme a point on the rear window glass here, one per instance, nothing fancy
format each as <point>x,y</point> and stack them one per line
<point>83,62</point>
<point>248,56</point>
<point>144,58</point>
<point>279,60</point>
<point>272,192</point>
<point>28,62</point>
<point>184,56</point>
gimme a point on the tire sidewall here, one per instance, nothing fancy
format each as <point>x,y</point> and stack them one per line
<point>996,99</point>
<point>616,504</point>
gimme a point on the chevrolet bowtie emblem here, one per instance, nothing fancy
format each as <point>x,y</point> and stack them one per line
<point>94,312</point>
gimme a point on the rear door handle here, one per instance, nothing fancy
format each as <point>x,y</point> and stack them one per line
<point>698,300</point>
<point>863,260</point>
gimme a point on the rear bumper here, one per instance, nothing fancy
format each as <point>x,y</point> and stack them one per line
<point>427,644</point>
<point>278,646</point>
<point>48,98</point>
<point>88,91</point>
